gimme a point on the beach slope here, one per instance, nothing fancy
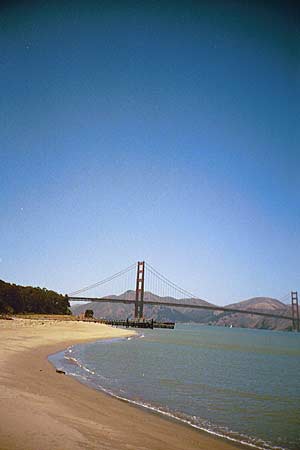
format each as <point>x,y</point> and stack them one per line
<point>41,409</point>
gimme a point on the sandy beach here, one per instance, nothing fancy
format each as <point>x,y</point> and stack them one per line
<point>41,409</point>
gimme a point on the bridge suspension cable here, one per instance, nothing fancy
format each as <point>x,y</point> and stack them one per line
<point>286,298</point>
<point>102,282</point>
<point>160,285</point>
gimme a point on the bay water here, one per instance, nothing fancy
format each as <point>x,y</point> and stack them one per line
<point>241,384</point>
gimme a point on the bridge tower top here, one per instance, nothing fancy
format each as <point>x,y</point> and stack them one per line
<point>139,291</point>
<point>295,311</point>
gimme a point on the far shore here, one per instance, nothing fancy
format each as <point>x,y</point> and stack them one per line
<point>41,409</point>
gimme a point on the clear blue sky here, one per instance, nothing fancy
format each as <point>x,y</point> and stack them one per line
<point>151,131</point>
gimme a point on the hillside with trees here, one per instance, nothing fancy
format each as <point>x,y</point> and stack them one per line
<point>16,299</point>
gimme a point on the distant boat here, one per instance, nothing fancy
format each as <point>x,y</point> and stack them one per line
<point>230,325</point>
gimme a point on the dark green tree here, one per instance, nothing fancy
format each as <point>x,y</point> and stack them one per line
<point>16,299</point>
<point>89,314</point>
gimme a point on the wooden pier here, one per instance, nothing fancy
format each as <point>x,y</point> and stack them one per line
<point>139,323</point>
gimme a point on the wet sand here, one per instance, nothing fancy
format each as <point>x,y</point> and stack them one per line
<point>41,409</point>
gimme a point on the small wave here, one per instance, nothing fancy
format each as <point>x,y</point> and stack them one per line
<point>78,375</point>
<point>71,360</point>
<point>75,361</point>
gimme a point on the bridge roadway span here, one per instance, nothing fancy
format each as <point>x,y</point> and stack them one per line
<point>179,305</point>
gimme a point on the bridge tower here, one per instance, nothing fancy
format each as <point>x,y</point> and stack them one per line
<point>295,310</point>
<point>139,291</point>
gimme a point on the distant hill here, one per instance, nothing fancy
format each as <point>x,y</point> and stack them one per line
<point>264,304</point>
<point>165,313</point>
<point>159,313</point>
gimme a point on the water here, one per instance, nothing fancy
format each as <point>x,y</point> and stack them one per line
<point>241,384</point>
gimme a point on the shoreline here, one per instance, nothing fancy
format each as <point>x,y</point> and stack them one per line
<point>139,404</point>
<point>40,408</point>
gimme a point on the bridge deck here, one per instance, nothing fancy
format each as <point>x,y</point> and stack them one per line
<point>181,305</point>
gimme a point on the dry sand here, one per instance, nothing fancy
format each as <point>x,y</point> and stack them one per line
<point>41,409</point>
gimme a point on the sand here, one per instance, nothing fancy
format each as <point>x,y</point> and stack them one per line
<point>41,409</point>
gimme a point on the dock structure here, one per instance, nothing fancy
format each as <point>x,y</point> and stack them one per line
<point>138,323</point>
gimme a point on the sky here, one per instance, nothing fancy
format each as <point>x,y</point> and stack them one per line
<point>156,131</point>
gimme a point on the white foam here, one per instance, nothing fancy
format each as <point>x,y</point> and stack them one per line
<point>79,364</point>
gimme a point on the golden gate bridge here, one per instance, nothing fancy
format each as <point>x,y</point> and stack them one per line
<point>140,283</point>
